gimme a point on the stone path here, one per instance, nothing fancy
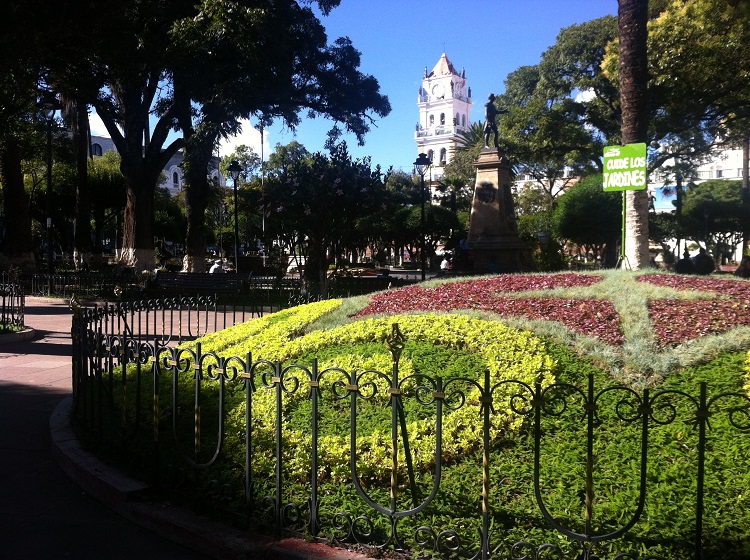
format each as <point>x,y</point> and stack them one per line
<point>43,514</point>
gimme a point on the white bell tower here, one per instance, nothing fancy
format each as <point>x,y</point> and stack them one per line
<point>444,103</point>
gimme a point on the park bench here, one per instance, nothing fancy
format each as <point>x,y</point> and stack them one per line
<point>197,283</point>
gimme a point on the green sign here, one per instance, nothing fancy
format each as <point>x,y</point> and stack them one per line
<point>625,168</point>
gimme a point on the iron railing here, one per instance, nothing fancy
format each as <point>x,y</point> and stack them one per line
<point>86,284</point>
<point>12,303</point>
<point>130,390</point>
<point>270,293</point>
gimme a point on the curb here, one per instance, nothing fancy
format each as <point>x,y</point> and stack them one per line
<point>20,336</point>
<point>128,497</point>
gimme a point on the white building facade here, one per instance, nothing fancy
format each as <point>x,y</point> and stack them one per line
<point>173,180</point>
<point>444,102</point>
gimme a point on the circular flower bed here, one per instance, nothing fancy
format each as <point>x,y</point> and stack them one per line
<point>337,351</point>
<point>726,306</point>
<point>592,317</point>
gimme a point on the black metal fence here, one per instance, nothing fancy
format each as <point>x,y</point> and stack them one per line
<point>12,303</point>
<point>270,292</point>
<point>86,284</point>
<point>164,408</point>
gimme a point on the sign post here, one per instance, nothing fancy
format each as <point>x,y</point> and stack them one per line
<point>625,169</point>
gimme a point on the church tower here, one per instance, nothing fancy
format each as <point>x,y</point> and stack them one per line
<point>444,103</point>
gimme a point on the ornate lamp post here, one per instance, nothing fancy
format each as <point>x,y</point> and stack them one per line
<point>234,170</point>
<point>422,164</point>
<point>262,197</point>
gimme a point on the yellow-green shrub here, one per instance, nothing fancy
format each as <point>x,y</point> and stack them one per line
<point>508,353</point>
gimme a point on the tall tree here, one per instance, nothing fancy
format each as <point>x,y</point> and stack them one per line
<point>133,66</point>
<point>714,215</point>
<point>274,62</point>
<point>75,111</point>
<point>590,218</point>
<point>633,33</point>
<point>702,75</point>
<point>316,202</point>
<point>20,130</point>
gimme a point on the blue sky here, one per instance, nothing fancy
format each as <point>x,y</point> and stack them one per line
<point>399,38</point>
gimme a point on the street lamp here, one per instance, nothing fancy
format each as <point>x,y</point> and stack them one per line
<point>234,170</point>
<point>422,164</point>
<point>49,105</point>
<point>262,197</point>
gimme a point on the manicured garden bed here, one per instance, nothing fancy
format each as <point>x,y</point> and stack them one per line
<point>661,331</point>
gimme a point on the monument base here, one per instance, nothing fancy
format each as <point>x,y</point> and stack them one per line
<point>493,242</point>
<point>501,255</point>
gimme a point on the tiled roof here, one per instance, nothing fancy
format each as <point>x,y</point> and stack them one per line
<point>444,67</point>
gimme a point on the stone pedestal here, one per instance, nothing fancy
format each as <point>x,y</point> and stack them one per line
<point>493,242</point>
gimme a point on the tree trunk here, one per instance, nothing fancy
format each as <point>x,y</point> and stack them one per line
<point>746,195</point>
<point>77,117</point>
<point>199,144</point>
<point>141,163</point>
<point>197,194</point>
<point>138,238</point>
<point>633,31</point>
<point>140,183</point>
<point>678,205</point>
<point>17,245</point>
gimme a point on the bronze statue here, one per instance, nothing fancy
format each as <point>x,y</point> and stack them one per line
<point>490,126</point>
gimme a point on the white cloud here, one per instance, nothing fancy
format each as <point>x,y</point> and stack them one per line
<point>248,136</point>
<point>584,96</point>
<point>97,126</point>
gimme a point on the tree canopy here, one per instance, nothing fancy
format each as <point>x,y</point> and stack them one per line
<point>315,202</point>
<point>150,69</point>
<point>589,217</point>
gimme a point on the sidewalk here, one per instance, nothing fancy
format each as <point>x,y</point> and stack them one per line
<point>44,514</point>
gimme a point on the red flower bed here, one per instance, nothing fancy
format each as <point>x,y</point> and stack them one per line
<point>511,283</point>
<point>591,317</point>
<point>677,321</point>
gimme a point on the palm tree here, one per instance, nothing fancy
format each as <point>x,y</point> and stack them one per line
<point>471,138</point>
<point>460,172</point>
<point>632,23</point>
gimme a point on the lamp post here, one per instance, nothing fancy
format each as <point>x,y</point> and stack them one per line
<point>262,197</point>
<point>49,106</point>
<point>234,170</point>
<point>422,164</point>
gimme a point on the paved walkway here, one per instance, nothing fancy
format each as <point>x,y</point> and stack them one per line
<point>45,515</point>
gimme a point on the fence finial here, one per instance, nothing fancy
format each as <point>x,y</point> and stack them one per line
<point>75,305</point>
<point>395,342</point>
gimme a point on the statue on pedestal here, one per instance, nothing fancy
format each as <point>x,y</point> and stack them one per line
<point>490,126</point>
<point>493,241</point>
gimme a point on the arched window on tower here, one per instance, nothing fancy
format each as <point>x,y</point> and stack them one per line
<point>431,155</point>
<point>176,181</point>
<point>442,119</point>
<point>457,120</point>
<point>432,120</point>
<point>96,149</point>
<point>463,120</point>
<point>443,156</point>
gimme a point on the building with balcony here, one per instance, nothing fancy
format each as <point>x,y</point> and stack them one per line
<point>444,102</point>
<point>173,180</point>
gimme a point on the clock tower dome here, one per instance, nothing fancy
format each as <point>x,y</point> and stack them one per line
<point>444,103</point>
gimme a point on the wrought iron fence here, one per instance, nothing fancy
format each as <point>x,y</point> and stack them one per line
<point>219,430</point>
<point>258,293</point>
<point>12,303</point>
<point>255,297</point>
<point>86,284</point>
